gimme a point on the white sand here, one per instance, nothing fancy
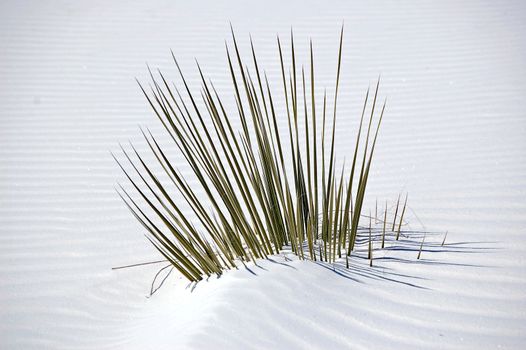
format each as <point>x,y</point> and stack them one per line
<point>454,138</point>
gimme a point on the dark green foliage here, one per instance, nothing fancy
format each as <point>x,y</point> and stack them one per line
<point>255,203</point>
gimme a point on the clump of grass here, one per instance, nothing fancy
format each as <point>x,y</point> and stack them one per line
<point>260,199</point>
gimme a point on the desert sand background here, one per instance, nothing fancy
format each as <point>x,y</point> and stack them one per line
<point>453,138</point>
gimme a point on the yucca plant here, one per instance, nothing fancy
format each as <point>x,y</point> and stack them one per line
<point>264,188</point>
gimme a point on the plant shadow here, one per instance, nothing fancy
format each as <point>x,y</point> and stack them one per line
<point>411,248</point>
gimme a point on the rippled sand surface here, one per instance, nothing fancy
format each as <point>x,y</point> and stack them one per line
<point>454,138</point>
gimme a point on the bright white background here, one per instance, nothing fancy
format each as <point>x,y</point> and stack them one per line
<point>454,132</point>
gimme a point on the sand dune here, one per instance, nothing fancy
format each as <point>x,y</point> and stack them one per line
<point>453,138</point>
